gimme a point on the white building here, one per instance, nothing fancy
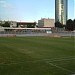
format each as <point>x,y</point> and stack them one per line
<point>13,24</point>
<point>46,22</point>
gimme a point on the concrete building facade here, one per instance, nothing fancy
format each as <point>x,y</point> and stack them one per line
<point>46,22</point>
<point>15,24</point>
<point>12,23</point>
<point>26,24</point>
<point>61,11</point>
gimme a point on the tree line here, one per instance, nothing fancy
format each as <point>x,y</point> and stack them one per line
<point>70,25</point>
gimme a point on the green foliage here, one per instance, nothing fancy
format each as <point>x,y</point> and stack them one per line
<point>58,24</point>
<point>70,25</point>
<point>74,24</point>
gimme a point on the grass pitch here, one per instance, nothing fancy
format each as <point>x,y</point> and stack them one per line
<point>37,56</point>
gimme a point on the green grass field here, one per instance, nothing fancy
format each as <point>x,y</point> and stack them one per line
<point>37,56</point>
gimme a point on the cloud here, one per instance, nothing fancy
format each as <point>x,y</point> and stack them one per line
<point>6,5</point>
<point>2,2</point>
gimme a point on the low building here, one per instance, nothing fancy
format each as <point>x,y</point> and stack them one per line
<point>46,22</point>
<point>2,22</point>
<point>13,24</point>
<point>26,24</point>
<point>1,29</point>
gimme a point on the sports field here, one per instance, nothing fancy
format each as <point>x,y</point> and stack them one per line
<point>37,56</point>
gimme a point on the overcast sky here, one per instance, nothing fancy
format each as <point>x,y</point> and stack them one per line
<point>31,10</point>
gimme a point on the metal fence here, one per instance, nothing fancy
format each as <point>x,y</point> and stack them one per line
<point>35,33</point>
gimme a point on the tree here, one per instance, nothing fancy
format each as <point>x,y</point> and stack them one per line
<point>69,25</point>
<point>74,24</point>
<point>58,24</point>
<point>6,24</point>
<point>0,24</point>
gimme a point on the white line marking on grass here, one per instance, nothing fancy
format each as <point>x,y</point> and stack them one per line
<point>59,67</point>
<point>65,57</point>
<point>61,59</point>
<point>34,61</point>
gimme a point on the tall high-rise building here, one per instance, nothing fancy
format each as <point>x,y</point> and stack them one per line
<point>61,11</point>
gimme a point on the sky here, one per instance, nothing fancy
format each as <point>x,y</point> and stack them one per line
<point>31,10</point>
